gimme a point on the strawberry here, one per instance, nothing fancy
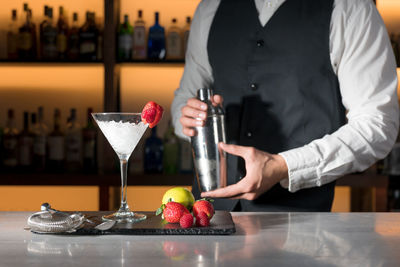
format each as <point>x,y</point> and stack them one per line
<point>152,113</point>
<point>186,220</point>
<point>203,205</point>
<point>172,211</point>
<point>202,219</point>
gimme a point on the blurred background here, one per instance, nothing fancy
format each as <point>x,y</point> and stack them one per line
<point>61,60</point>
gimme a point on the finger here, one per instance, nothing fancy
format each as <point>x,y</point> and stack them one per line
<point>189,132</point>
<point>226,192</point>
<point>188,122</point>
<point>218,99</point>
<point>234,149</point>
<point>247,196</point>
<point>188,111</point>
<point>196,104</point>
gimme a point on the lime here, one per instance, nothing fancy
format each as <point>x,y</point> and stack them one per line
<point>180,195</point>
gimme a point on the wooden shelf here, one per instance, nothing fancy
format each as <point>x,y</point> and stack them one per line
<point>7,63</point>
<point>368,179</point>
<point>146,61</point>
<point>149,63</point>
<point>103,181</point>
<point>94,179</point>
<point>365,179</point>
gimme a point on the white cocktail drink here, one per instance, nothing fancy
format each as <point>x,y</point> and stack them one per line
<point>123,131</point>
<point>122,136</point>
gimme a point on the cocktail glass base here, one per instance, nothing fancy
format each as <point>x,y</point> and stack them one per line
<point>125,217</point>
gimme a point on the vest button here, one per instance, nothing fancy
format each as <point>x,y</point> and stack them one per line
<point>249,134</point>
<point>253,86</point>
<point>260,43</point>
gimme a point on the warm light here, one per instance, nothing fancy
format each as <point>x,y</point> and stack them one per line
<point>24,88</point>
<point>398,83</point>
<point>390,12</point>
<point>388,225</point>
<point>29,198</point>
<point>342,200</point>
<point>140,84</point>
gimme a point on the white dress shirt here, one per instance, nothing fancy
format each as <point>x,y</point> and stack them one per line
<point>362,58</point>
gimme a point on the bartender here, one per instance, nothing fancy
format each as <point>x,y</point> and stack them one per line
<point>309,90</point>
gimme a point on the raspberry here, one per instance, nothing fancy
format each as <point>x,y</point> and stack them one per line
<point>186,220</point>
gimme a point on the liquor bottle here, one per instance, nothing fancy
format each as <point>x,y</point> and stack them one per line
<point>185,157</point>
<point>397,41</point>
<point>153,153</point>
<point>10,143</point>
<point>89,134</point>
<point>137,159</point>
<point>156,41</point>
<point>186,31</point>
<point>393,193</point>
<point>12,37</point>
<point>394,203</point>
<point>171,151</point>
<point>25,144</point>
<point>99,47</point>
<point>174,42</point>
<point>41,27</point>
<point>27,37</point>
<point>34,34</point>
<point>73,39</point>
<point>73,144</point>
<point>125,33</point>
<point>139,37</point>
<point>88,35</point>
<point>62,33</point>
<point>395,47</point>
<point>33,121</point>
<point>1,147</point>
<point>56,145</point>
<point>392,160</point>
<point>49,46</point>
<point>40,132</point>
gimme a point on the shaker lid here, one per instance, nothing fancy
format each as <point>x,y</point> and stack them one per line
<point>204,93</point>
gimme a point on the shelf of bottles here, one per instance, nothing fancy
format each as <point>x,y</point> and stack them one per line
<point>69,148</point>
<point>52,39</point>
<point>139,44</point>
<point>64,39</point>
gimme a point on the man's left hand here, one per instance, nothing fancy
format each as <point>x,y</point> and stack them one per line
<point>263,170</point>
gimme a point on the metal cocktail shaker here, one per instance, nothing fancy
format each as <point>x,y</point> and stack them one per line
<point>209,159</point>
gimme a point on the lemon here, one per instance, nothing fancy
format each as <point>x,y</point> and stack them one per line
<point>180,195</point>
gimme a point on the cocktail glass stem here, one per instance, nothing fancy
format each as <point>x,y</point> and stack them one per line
<point>124,214</point>
<point>124,185</point>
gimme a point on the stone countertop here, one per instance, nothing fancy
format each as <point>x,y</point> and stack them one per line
<point>261,239</point>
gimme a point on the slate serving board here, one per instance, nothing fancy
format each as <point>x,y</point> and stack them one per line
<point>220,224</point>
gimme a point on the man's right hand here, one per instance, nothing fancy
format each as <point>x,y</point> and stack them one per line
<point>194,114</point>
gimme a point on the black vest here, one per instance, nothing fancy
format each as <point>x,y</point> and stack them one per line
<point>280,91</point>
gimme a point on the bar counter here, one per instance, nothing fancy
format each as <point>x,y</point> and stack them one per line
<point>261,239</point>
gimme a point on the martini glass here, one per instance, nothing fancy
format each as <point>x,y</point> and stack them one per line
<point>123,131</point>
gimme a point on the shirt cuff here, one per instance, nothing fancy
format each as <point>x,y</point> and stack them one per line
<point>302,166</point>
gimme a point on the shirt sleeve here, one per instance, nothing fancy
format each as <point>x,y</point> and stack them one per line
<point>197,72</point>
<point>368,84</point>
